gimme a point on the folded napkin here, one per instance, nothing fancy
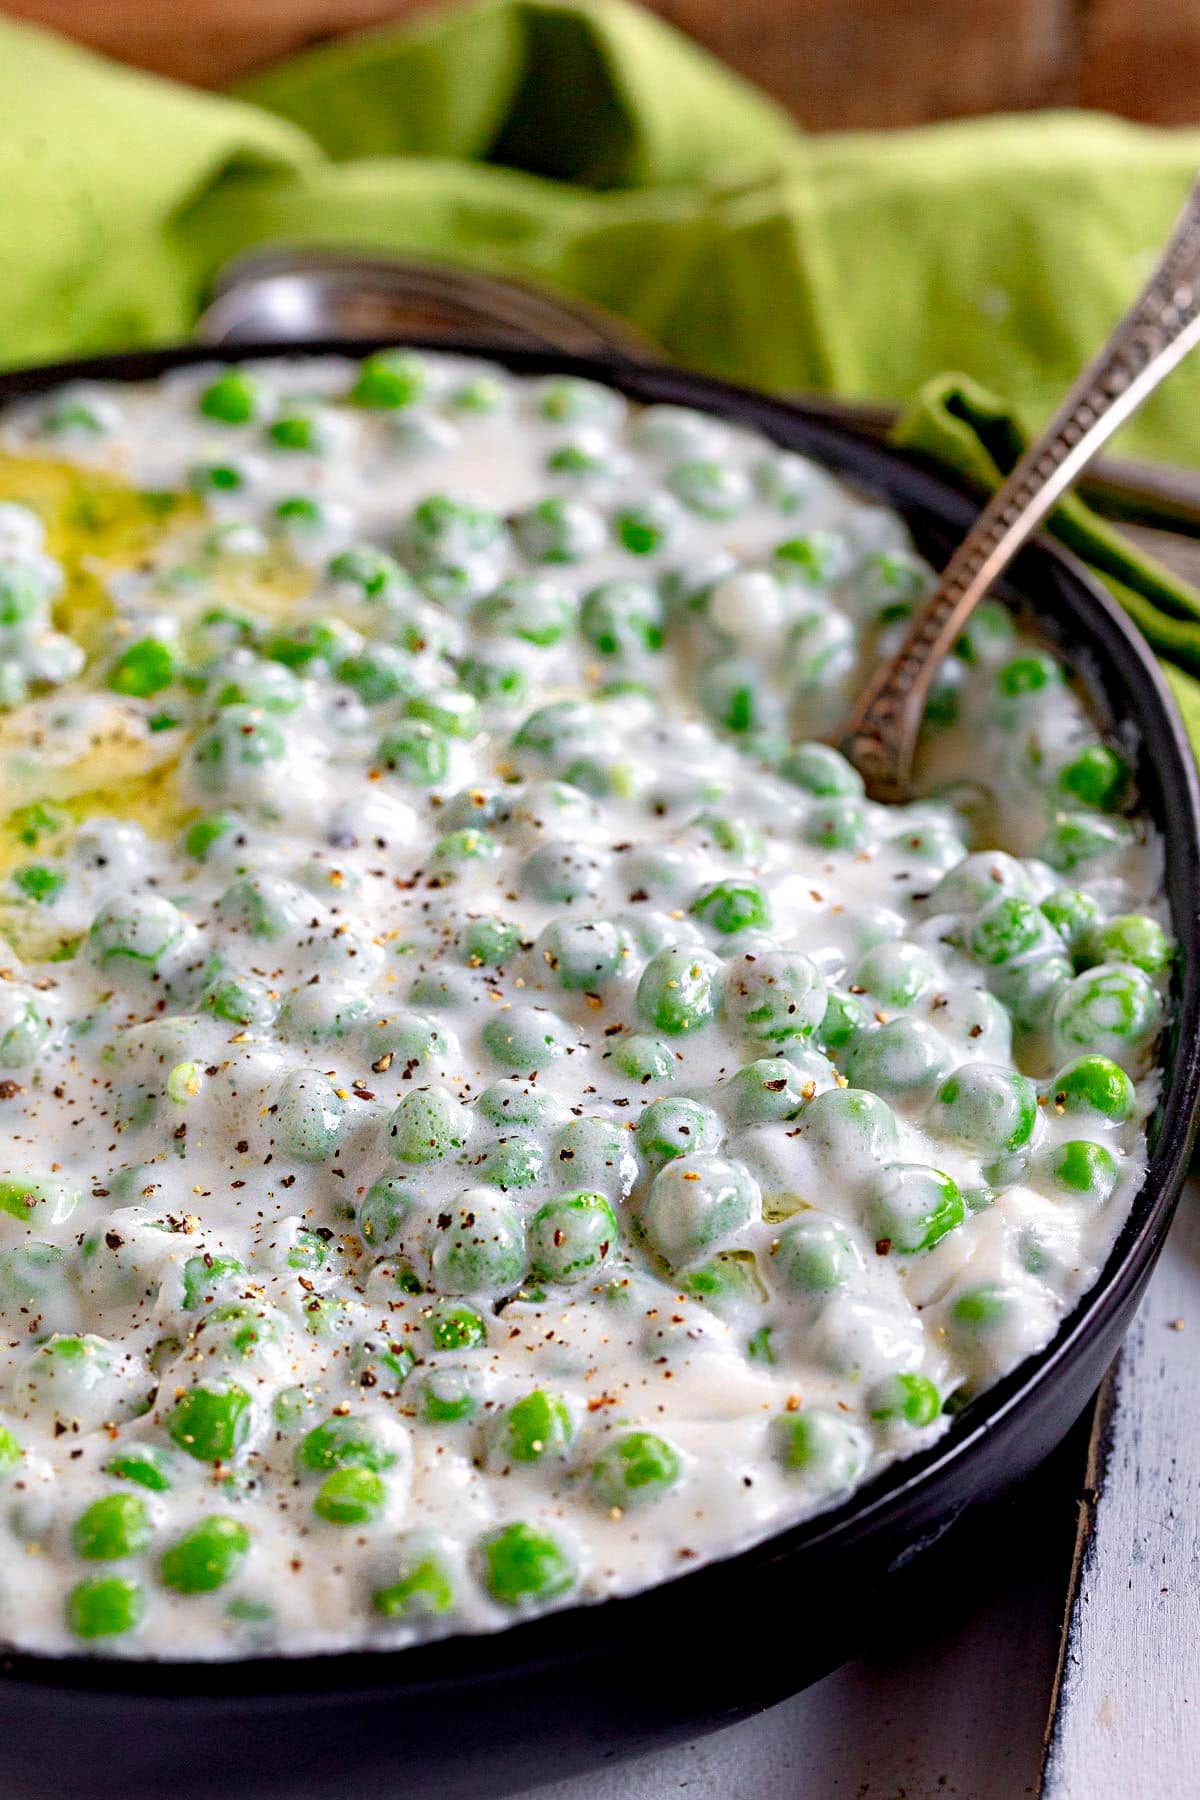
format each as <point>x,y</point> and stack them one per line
<point>959,423</point>
<point>591,147</point>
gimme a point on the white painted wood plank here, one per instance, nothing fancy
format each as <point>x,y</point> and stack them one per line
<point>1128,1721</point>
<point>949,1697</point>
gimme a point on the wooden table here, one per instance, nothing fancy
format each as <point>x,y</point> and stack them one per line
<point>835,63</point>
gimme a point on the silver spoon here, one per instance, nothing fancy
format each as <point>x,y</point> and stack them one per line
<point>1156,333</point>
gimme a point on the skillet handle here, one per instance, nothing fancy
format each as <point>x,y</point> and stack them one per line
<point>301,295</point>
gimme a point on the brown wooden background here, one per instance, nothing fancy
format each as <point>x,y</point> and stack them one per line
<point>834,62</point>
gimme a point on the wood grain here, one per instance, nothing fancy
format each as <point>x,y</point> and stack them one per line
<point>835,63</point>
<point>1127,1721</point>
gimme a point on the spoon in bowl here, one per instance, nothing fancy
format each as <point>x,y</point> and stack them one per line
<point>1156,333</point>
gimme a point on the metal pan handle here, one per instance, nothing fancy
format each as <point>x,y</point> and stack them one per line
<point>299,295</point>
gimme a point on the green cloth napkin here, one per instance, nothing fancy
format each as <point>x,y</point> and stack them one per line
<point>591,147</point>
<point>960,424</point>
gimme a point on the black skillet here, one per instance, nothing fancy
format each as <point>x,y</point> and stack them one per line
<point>481,1716</point>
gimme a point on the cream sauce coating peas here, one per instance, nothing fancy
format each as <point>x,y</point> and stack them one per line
<point>490,1115</point>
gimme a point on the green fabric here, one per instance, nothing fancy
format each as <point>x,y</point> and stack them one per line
<point>960,424</point>
<point>591,147</point>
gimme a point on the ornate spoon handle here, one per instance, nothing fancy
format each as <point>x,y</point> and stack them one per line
<point>1158,331</point>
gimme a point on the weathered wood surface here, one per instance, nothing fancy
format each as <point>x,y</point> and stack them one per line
<point>1127,1725</point>
<point>836,63</point>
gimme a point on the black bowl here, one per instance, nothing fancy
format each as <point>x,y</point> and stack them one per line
<point>479,1716</point>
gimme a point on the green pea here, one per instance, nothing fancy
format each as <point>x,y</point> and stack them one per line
<point>300,513</point>
<point>343,1442</point>
<point>730,692</point>
<point>527,1038</point>
<point>513,1162</point>
<point>528,607</point>
<point>350,1497</point>
<point>422,1588</point>
<point>1036,674</point>
<point>453,1326</point>
<point>559,530</point>
<point>524,1566</point>
<point>428,1125</point>
<point>37,1201</point>
<point>147,667</point>
<point>378,674</point>
<point>908,1398</point>
<point>389,379</point>
<point>203,1275</point>
<point>821,771</point>
<point>146,1465</point>
<point>583,955</point>
<point>988,635</point>
<point>632,1469</point>
<point>212,831</point>
<point>913,1208</point>
<point>211,1421</point>
<point>233,398</point>
<point>978,1310</point>
<point>1131,938</point>
<point>297,430</point>
<point>771,1088</point>
<point>105,1606</point>
<point>1084,1168</point>
<point>241,741</point>
<point>713,490</point>
<point>774,997</point>
<point>448,710</point>
<point>643,1059</point>
<point>897,974</point>
<point>814,1255</point>
<point>843,1021</point>
<point>205,1557</point>
<point>786,481</point>
<point>373,572</point>
<point>478,1246</point>
<point>1078,840</point>
<point>32,1278</point>
<point>1071,913</point>
<point>114,1526</point>
<point>536,1428</point>
<point>669,1128</point>
<point>571,1236</point>
<point>38,882</point>
<point>851,1131</point>
<point>978,879</point>
<point>730,906</point>
<point>310,1116</point>
<point>836,825</point>
<point>646,527</point>
<point>816,558</point>
<point>1009,927</point>
<point>990,1108</point>
<point>513,1103</point>
<point>448,1397</point>
<point>1095,776</point>
<point>571,400</point>
<point>241,1000</point>
<point>904,1060</point>
<point>11,1452</point>
<point>694,1203</point>
<point>139,931</point>
<point>680,989</point>
<point>1110,1010</point>
<point>827,1452</point>
<point>1093,1084</point>
<point>622,618</point>
<point>417,751</point>
<point>889,584</point>
<point>1030,987</point>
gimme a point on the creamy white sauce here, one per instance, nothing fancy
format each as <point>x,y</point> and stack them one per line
<point>157,1114</point>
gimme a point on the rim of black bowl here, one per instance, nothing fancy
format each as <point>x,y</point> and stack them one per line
<point>1131,689</point>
